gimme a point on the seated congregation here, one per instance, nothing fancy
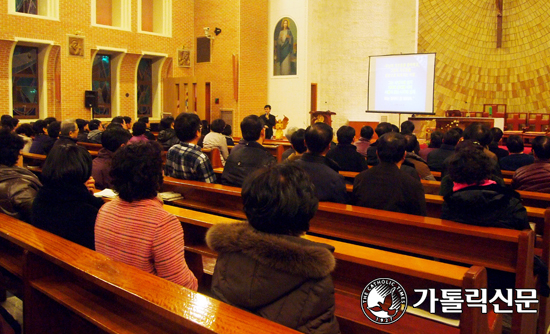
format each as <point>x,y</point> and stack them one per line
<point>263,264</point>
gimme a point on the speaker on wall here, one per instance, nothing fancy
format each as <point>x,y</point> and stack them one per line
<point>91,98</point>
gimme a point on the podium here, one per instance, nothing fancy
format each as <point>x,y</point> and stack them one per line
<point>321,116</point>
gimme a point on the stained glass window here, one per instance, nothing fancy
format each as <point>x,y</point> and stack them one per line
<point>26,6</point>
<point>101,82</point>
<point>25,82</point>
<point>145,88</point>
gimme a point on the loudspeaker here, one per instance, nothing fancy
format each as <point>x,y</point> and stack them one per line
<point>91,98</point>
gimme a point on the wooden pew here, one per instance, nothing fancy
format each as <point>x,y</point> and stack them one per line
<point>356,266</point>
<point>90,146</point>
<point>214,156</point>
<point>408,233</point>
<point>71,289</point>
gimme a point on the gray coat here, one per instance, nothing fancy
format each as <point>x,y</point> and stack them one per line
<point>282,278</point>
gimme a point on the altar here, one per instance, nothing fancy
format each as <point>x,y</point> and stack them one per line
<point>424,126</point>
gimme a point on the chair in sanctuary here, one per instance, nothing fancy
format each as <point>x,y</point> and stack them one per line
<point>515,121</point>
<point>539,122</point>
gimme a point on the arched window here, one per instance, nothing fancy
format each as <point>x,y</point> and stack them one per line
<point>25,82</point>
<point>101,82</point>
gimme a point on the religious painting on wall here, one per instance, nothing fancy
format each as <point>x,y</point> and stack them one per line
<point>285,49</point>
<point>184,58</point>
<point>76,45</point>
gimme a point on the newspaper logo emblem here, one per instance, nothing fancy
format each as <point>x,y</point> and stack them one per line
<point>383,301</point>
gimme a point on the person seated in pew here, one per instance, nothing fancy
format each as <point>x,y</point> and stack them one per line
<point>18,186</point>
<point>363,142</point>
<point>246,158</point>
<point>119,120</point>
<point>111,140</point>
<point>323,172</point>
<point>297,140</point>
<point>436,158</point>
<point>288,135</point>
<point>436,139</point>
<point>134,228</point>
<point>26,133</point>
<point>185,160</point>
<point>83,130</point>
<point>420,165</point>
<point>138,131</point>
<point>386,186</point>
<point>227,131</point>
<point>65,205</point>
<point>536,176</point>
<point>517,158</point>
<point>96,129</point>
<point>497,134</point>
<point>481,134</point>
<point>215,139</point>
<point>127,122</point>
<point>68,133</point>
<point>263,265</point>
<point>148,134</point>
<point>381,129</point>
<point>54,128</point>
<point>345,153</point>
<point>40,138</point>
<point>167,135</point>
<point>475,199</point>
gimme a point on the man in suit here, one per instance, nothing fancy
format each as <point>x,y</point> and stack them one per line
<point>269,121</point>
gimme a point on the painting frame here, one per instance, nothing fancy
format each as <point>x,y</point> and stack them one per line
<point>184,58</point>
<point>76,45</point>
<point>285,48</point>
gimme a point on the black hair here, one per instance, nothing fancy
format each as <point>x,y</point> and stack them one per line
<point>127,119</point>
<point>166,123</point>
<point>118,119</point>
<point>391,147</point>
<point>298,141</point>
<point>114,125</point>
<point>139,128</point>
<point>279,199</point>
<point>436,139</point>
<point>217,125</point>
<point>14,122</point>
<point>394,128</point>
<point>227,130</point>
<point>25,129</point>
<point>451,137</point>
<point>514,143</point>
<point>469,165</point>
<point>478,132</point>
<point>38,126</point>
<point>267,106</point>
<point>186,126</point>
<point>136,171</point>
<point>367,132</point>
<point>94,124</point>
<point>251,128</point>
<point>6,122</point>
<point>345,134</point>
<point>497,134</point>
<point>410,143</point>
<point>10,145</point>
<point>53,129</point>
<point>383,128</point>
<point>407,128</point>
<point>50,120</point>
<point>112,138</point>
<point>81,123</point>
<point>67,164</point>
<point>143,119</point>
<point>541,147</point>
<point>318,137</point>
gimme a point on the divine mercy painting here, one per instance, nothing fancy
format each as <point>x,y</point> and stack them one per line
<point>284,50</point>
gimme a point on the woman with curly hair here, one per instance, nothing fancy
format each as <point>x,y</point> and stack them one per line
<point>477,199</point>
<point>134,228</point>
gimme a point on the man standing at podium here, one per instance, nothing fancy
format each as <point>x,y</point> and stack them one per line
<point>269,121</point>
